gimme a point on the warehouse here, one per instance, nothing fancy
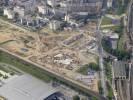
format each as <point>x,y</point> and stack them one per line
<point>26,87</point>
<point>119,69</point>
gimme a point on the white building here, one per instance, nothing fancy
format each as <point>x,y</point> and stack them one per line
<point>9,13</point>
<point>109,3</point>
<point>42,9</point>
<point>20,10</point>
<point>114,40</point>
<point>54,25</point>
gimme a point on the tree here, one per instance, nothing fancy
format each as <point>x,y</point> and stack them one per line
<point>94,98</point>
<point>76,97</point>
<point>120,54</point>
<point>100,87</point>
<point>94,66</point>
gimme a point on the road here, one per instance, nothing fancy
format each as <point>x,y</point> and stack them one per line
<point>102,73</point>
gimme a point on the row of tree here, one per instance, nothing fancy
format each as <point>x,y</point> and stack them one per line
<point>120,54</point>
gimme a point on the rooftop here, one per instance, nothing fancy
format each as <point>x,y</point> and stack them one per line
<point>26,87</point>
<point>114,36</point>
<point>119,68</point>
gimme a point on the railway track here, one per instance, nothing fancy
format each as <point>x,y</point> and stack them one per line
<point>122,90</point>
<point>125,87</point>
<point>131,84</point>
<point>130,22</point>
<point>119,90</point>
<point>130,34</point>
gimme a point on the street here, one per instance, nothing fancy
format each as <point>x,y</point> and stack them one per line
<point>102,73</point>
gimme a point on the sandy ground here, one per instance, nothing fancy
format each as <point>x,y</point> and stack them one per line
<point>29,44</point>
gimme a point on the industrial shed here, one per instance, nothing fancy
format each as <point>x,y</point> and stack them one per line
<point>26,87</point>
<point>119,69</point>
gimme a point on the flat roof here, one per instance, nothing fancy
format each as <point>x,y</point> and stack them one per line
<point>119,69</point>
<point>26,87</point>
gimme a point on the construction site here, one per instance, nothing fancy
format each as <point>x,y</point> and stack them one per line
<point>63,53</point>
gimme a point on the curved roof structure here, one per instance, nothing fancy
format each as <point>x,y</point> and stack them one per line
<point>26,87</point>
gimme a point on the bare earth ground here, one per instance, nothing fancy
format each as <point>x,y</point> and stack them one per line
<point>63,52</point>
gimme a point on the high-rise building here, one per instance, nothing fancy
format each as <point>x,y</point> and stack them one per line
<point>89,6</point>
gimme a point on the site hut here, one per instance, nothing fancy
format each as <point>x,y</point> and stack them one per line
<point>120,70</point>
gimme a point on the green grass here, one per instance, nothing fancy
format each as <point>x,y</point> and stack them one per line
<point>94,98</point>
<point>3,69</point>
<point>108,70</point>
<point>8,68</point>
<point>121,43</point>
<point>34,71</point>
<point>106,21</point>
<point>110,92</point>
<point>119,9</point>
<point>83,70</point>
<point>113,28</point>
